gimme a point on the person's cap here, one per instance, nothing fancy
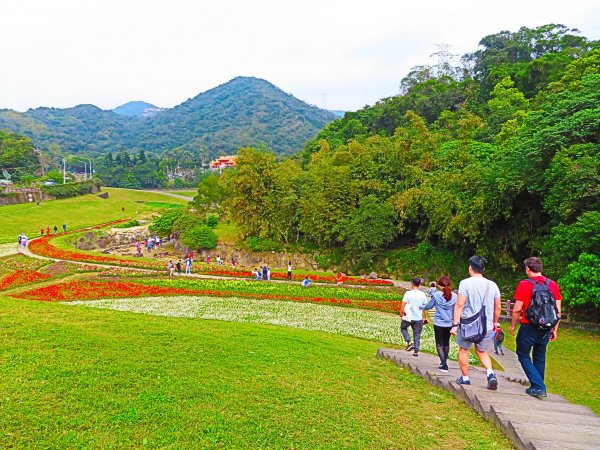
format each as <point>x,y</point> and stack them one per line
<point>498,325</point>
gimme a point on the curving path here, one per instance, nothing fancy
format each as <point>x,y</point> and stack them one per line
<point>551,423</point>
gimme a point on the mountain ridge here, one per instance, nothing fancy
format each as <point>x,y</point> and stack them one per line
<point>243,112</point>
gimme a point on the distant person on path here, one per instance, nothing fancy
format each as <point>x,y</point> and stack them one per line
<point>19,244</point>
<point>219,262</point>
<point>48,231</point>
<point>233,261</point>
<point>339,278</point>
<point>55,229</point>
<point>289,271</point>
<point>531,341</point>
<point>188,265</point>
<point>64,228</point>
<point>498,340</point>
<point>42,231</point>
<point>477,297</point>
<point>306,281</point>
<point>414,299</point>
<point>444,302</point>
<point>178,266</point>
<point>171,268</point>
<point>150,245</point>
<point>208,260</point>
<point>265,272</point>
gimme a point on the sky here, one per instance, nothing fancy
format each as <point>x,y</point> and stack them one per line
<point>337,54</point>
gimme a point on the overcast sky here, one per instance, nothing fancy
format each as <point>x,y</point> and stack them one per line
<point>342,54</point>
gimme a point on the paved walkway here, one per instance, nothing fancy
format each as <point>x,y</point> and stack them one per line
<point>530,423</point>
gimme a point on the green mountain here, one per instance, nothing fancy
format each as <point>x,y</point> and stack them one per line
<point>243,112</point>
<point>137,109</point>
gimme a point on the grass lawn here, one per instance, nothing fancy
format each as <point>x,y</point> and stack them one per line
<point>78,212</point>
<point>73,377</point>
<point>572,366</point>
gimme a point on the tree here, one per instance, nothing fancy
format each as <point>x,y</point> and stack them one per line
<point>200,237</point>
<point>210,194</point>
<point>580,285</point>
<point>163,224</point>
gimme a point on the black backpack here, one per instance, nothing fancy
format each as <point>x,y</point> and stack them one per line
<point>542,312</point>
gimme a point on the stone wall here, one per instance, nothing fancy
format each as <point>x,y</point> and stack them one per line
<point>26,195</point>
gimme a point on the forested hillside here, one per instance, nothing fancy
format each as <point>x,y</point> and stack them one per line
<point>243,112</point>
<point>497,155</point>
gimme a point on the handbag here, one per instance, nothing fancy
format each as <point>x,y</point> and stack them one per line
<point>473,329</point>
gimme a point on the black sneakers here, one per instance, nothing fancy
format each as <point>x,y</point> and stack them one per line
<point>492,382</point>
<point>461,380</point>
<point>443,368</point>
<point>409,347</point>
<point>537,393</point>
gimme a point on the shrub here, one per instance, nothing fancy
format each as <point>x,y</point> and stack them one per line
<point>257,244</point>
<point>212,221</point>
<point>71,189</point>
<point>581,284</point>
<point>130,224</point>
<point>186,221</point>
<point>199,237</point>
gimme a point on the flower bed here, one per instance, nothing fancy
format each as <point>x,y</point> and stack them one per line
<point>22,262</point>
<point>43,247</point>
<point>297,276</point>
<point>90,290</point>
<point>21,277</point>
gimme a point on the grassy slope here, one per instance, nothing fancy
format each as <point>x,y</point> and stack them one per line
<point>572,366</point>
<point>97,378</point>
<point>77,212</point>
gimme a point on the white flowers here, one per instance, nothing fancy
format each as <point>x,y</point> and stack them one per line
<point>364,324</point>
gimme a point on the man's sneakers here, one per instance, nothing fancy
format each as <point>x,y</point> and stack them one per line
<point>537,393</point>
<point>416,354</point>
<point>461,380</point>
<point>492,382</point>
<point>409,347</point>
<point>443,368</point>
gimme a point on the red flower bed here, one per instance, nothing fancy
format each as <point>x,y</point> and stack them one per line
<point>91,290</point>
<point>298,277</point>
<point>43,247</point>
<point>20,277</point>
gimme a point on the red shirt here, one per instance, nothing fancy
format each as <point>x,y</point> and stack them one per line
<point>525,289</point>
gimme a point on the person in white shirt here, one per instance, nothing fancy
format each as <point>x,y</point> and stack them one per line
<point>411,303</point>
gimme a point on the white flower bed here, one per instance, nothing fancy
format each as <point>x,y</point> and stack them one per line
<point>372,325</point>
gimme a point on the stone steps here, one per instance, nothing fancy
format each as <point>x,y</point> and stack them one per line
<point>530,423</point>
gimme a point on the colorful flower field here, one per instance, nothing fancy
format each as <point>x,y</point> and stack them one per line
<point>21,277</point>
<point>43,247</point>
<point>91,290</point>
<point>297,276</point>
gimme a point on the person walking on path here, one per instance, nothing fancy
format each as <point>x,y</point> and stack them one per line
<point>55,229</point>
<point>289,271</point>
<point>48,231</point>
<point>413,300</point>
<point>444,302</point>
<point>498,340</point>
<point>477,297</point>
<point>171,268</point>
<point>178,266</point>
<point>64,228</point>
<point>532,341</point>
<point>265,271</point>
<point>188,265</point>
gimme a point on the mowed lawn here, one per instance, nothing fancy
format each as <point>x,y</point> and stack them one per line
<point>73,377</point>
<point>79,212</point>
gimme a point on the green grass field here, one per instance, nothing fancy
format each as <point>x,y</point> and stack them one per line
<point>185,192</point>
<point>75,377</point>
<point>79,212</point>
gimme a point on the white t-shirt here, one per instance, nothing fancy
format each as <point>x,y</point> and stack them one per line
<point>415,298</point>
<point>474,289</point>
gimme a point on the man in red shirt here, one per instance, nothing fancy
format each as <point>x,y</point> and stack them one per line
<point>530,340</point>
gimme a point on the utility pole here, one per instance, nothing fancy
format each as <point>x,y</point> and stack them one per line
<point>64,171</point>
<point>84,171</point>
<point>91,173</point>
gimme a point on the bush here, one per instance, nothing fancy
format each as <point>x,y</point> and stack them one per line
<point>212,221</point>
<point>257,244</point>
<point>581,284</point>
<point>200,237</point>
<point>69,190</point>
<point>130,224</point>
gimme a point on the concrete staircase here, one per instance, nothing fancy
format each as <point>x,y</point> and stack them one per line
<point>530,423</point>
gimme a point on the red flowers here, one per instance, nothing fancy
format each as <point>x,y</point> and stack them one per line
<point>20,277</point>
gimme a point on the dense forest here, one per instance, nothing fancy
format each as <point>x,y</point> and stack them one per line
<point>496,154</point>
<point>242,112</point>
